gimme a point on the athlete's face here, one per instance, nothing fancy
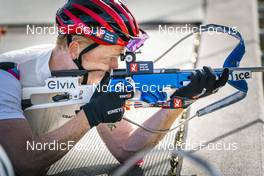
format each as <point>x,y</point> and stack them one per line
<point>103,58</point>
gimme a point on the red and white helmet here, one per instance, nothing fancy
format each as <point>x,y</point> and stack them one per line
<point>106,22</point>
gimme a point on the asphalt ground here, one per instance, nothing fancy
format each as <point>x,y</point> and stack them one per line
<point>241,124</point>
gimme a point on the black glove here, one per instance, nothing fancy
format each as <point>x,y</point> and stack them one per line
<point>105,107</point>
<point>203,83</point>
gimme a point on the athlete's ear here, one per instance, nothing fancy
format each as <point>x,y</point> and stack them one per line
<point>74,49</point>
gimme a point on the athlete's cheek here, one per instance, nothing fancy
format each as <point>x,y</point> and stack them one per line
<point>114,63</point>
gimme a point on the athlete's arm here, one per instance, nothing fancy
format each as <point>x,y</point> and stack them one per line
<point>19,142</point>
<point>125,140</point>
<point>17,139</point>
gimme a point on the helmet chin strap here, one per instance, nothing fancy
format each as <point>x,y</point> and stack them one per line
<point>78,61</point>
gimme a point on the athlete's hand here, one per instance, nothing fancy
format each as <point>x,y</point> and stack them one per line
<point>105,107</point>
<point>203,83</point>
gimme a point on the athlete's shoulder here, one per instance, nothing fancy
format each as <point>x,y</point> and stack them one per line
<point>33,63</point>
<point>7,79</point>
<point>23,55</point>
<point>10,96</point>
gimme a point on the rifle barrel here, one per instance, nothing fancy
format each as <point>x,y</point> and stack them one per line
<point>252,69</point>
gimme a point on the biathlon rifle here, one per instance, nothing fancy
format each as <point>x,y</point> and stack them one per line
<point>139,76</point>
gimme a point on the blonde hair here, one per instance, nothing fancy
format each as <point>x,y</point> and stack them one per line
<point>82,40</point>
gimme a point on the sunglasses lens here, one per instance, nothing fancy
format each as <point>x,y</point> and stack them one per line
<point>134,44</point>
